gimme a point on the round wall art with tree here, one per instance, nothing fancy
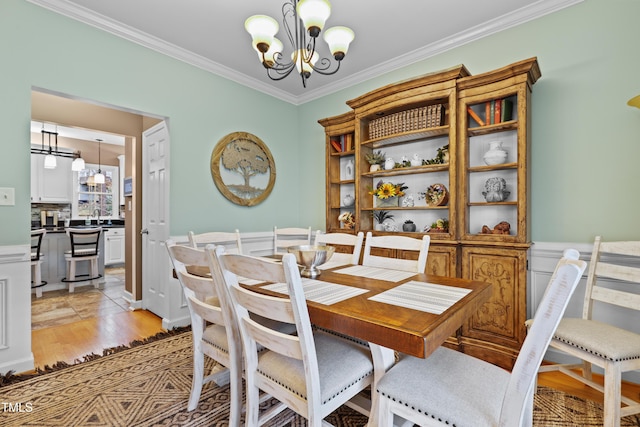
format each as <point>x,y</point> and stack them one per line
<point>243,168</point>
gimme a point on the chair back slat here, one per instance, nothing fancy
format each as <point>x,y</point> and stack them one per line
<point>396,243</point>
<point>548,315</point>
<point>230,240</point>
<point>291,236</point>
<point>84,241</point>
<point>609,281</point>
<point>618,272</point>
<point>342,239</point>
<point>615,297</point>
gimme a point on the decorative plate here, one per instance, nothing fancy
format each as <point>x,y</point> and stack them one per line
<point>437,195</point>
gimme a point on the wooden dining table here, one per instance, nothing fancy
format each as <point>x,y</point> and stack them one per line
<point>410,313</point>
<point>392,310</point>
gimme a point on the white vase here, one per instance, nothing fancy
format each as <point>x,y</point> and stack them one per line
<point>496,154</point>
<point>374,168</point>
<point>348,170</point>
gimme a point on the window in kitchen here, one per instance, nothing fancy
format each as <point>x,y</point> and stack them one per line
<point>90,198</point>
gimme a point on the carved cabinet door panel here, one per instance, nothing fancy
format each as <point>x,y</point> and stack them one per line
<point>496,332</point>
<point>442,260</point>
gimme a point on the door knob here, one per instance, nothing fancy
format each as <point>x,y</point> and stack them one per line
<point>144,231</point>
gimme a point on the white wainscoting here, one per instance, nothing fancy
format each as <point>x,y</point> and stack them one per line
<point>542,261</point>
<point>15,309</point>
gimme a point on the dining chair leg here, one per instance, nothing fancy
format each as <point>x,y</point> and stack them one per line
<point>612,390</point>
<point>198,378</point>
<point>235,386</point>
<point>383,359</point>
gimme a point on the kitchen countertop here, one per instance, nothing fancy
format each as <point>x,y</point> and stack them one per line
<point>80,224</point>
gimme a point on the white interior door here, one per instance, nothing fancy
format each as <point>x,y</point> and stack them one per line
<point>155,221</point>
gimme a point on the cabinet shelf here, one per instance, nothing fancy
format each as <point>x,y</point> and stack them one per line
<point>487,129</point>
<point>492,203</point>
<point>343,153</point>
<point>408,170</point>
<point>343,182</point>
<point>404,137</point>
<point>403,208</point>
<point>493,167</point>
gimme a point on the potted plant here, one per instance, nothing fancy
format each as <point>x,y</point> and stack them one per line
<point>380,217</point>
<point>408,226</point>
<point>375,159</point>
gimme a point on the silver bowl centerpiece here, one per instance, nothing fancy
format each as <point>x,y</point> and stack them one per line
<point>310,257</point>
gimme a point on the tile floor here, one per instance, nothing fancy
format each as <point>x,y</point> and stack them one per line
<point>60,307</point>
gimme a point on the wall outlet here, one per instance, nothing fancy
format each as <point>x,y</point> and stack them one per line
<point>7,196</point>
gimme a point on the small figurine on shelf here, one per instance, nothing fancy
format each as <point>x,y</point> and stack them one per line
<point>495,190</point>
<point>416,160</point>
<point>348,220</point>
<point>502,227</point>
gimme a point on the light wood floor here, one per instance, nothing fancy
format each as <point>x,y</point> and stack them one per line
<point>75,338</point>
<point>66,327</point>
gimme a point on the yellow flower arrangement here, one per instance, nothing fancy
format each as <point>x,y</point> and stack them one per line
<point>385,190</point>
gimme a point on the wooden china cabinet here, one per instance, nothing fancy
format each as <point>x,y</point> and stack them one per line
<point>482,124</point>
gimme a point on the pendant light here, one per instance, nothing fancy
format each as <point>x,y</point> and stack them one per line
<point>49,160</point>
<point>78,163</point>
<point>99,177</point>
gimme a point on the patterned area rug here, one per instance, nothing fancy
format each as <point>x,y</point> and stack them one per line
<point>148,385</point>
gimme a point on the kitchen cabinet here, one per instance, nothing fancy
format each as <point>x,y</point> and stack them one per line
<point>113,246</point>
<point>481,229</point>
<point>51,185</point>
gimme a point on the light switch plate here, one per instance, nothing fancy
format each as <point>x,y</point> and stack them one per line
<point>7,196</point>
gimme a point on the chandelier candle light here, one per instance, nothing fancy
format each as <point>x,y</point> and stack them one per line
<point>303,21</point>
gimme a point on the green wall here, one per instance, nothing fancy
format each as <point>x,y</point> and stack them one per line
<point>584,137</point>
<point>43,49</point>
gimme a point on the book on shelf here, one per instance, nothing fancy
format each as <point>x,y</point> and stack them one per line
<point>507,110</point>
<point>497,116</point>
<point>348,142</point>
<point>487,113</point>
<point>475,116</point>
<point>336,145</point>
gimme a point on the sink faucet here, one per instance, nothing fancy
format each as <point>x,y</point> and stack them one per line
<point>96,213</point>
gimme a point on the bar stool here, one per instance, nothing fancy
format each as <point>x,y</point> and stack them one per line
<point>36,260</point>
<point>84,247</point>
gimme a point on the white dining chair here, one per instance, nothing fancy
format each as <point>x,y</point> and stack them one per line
<point>213,336</point>
<point>311,372</point>
<point>36,260</point>
<point>595,342</point>
<point>230,240</point>
<point>450,388</point>
<point>342,241</point>
<point>382,246</point>
<point>291,236</point>
<point>85,246</point>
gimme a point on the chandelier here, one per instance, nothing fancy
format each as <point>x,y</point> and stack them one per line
<point>303,20</point>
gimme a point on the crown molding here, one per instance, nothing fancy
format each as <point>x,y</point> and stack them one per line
<point>520,16</point>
